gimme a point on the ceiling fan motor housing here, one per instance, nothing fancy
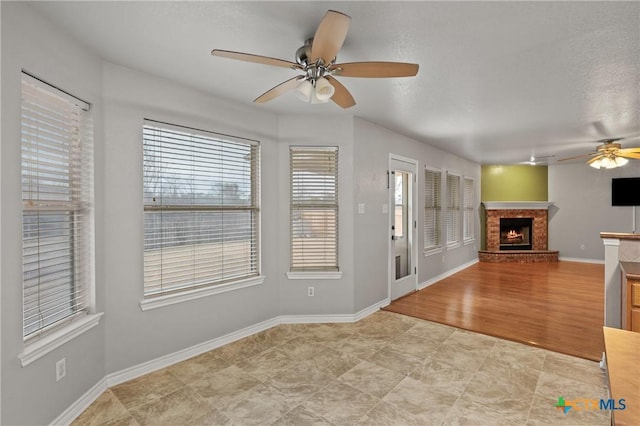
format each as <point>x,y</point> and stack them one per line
<point>304,52</point>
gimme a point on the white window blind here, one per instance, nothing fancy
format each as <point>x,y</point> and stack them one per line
<point>453,208</point>
<point>432,209</point>
<point>57,185</point>
<point>314,208</point>
<point>200,208</point>
<point>468,202</point>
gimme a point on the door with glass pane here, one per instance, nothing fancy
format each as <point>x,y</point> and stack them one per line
<point>402,215</point>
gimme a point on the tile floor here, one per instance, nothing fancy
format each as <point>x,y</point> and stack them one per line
<point>387,369</point>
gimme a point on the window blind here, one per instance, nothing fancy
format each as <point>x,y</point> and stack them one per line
<point>468,201</point>
<point>453,208</point>
<point>314,208</point>
<point>432,209</point>
<point>201,211</point>
<point>57,184</point>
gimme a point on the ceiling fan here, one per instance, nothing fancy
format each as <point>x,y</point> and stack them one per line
<point>609,154</point>
<point>317,60</point>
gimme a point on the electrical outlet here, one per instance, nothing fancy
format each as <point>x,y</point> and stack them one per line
<point>61,369</point>
<point>581,246</point>
<point>311,291</point>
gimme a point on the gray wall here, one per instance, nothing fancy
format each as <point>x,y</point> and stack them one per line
<point>332,296</point>
<point>134,336</point>
<point>127,336</point>
<point>372,146</point>
<point>582,209</point>
<point>31,43</point>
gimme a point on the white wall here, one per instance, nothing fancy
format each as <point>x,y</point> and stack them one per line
<point>582,209</point>
<point>134,336</point>
<point>372,146</point>
<point>29,42</point>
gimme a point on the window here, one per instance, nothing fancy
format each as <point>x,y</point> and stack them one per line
<point>314,208</point>
<point>432,209</point>
<point>453,209</point>
<point>200,209</point>
<point>57,215</point>
<point>400,197</point>
<point>467,218</point>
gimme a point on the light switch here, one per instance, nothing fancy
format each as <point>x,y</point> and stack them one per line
<point>385,208</point>
<point>361,208</point>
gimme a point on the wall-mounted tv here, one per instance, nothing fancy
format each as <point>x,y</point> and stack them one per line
<point>625,191</point>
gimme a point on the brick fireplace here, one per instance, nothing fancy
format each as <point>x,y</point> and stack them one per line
<point>521,242</point>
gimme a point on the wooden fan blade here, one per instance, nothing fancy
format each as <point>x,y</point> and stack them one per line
<point>375,69</point>
<point>579,156</point>
<point>629,150</point>
<point>248,57</point>
<point>635,155</point>
<point>329,36</point>
<point>341,96</point>
<point>594,159</point>
<point>280,89</point>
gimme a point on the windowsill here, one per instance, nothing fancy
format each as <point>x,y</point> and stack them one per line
<point>453,245</point>
<point>432,251</point>
<point>470,241</point>
<point>47,343</point>
<point>318,275</point>
<point>198,293</point>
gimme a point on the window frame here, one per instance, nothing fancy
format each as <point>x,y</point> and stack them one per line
<point>207,286</point>
<point>57,135</point>
<point>437,208</point>
<point>468,210</point>
<point>309,272</point>
<point>453,211</point>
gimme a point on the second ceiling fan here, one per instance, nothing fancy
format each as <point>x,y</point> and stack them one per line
<point>609,154</point>
<point>317,60</point>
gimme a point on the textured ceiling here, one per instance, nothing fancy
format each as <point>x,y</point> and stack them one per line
<point>498,81</point>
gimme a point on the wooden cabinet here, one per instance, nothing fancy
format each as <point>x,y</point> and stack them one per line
<point>630,308</point>
<point>634,309</point>
<point>623,373</point>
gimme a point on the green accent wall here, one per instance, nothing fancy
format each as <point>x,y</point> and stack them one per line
<point>514,183</point>
<point>511,183</point>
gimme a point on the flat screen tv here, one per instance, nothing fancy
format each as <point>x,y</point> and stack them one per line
<point>625,191</point>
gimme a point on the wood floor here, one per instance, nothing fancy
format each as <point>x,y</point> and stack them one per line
<point>556,306</point>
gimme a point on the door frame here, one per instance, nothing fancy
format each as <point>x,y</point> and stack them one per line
<point>412,165</point>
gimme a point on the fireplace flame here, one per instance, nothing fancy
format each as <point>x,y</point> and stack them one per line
<point>513,234</point>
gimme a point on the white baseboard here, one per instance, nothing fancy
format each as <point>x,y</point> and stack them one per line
<point>71,413</point>
<point>371,309</point>
<point>447,274</point>
<point>313,319</point>
<point>581,260</point>
<point>184,354</point>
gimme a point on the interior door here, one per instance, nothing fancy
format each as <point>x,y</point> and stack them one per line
<point>402,215</point>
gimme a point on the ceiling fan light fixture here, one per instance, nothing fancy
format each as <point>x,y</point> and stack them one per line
<point>324,89</point>
<point>304,90</point>
<point>620,161</point>
<point>609,162</point>
<point>316,100</point>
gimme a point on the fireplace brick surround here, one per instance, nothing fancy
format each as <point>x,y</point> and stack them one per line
<point>538,211</point>
<point>540,226</point>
